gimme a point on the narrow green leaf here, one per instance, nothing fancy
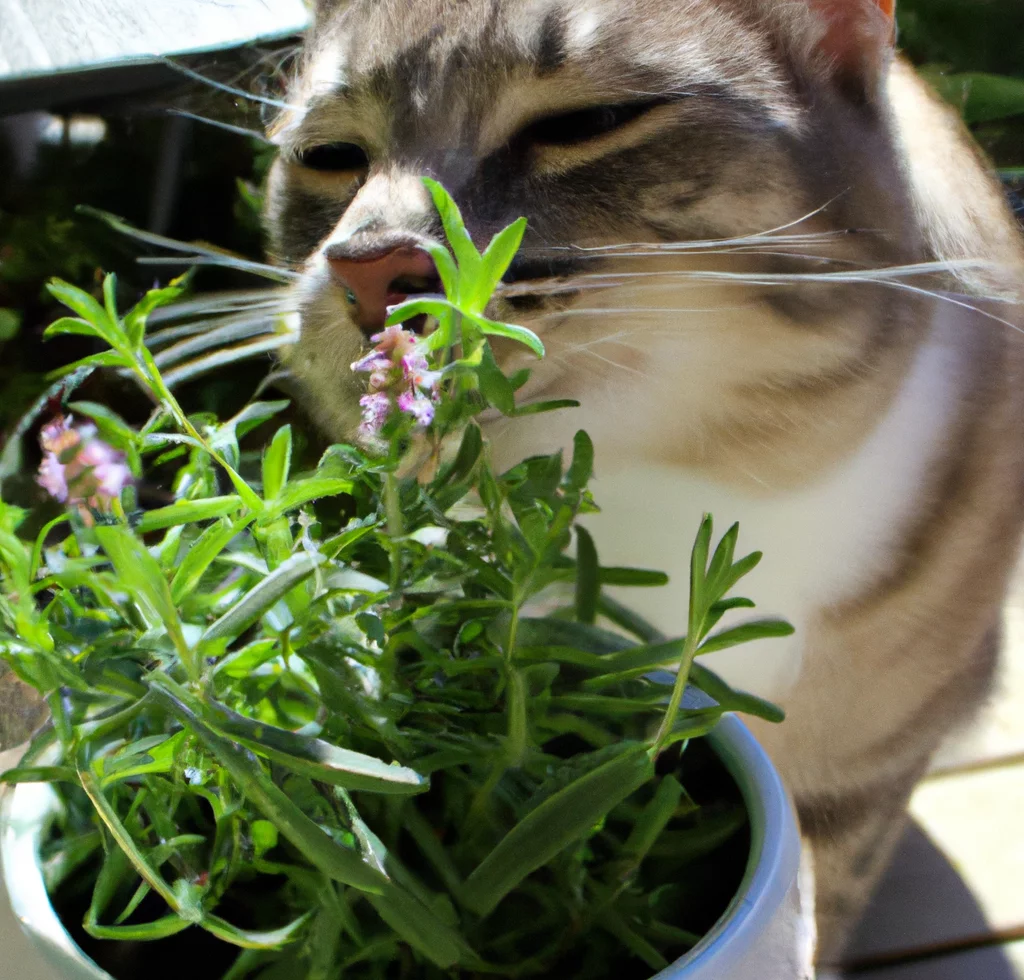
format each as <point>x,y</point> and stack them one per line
<point>653,819</point>
<point>307,837</point>
<point>558,822</point>
<point>420,927</point>
<point>509,331</point>
<point>71,325</point>
<point>447,270</point>
<point>142,576</point>
<point>107,358</point>
<point>169,925</point>
<point>466,253</point>
<point>313,757</point>
<point>588,586</point>
<point>124,839</point>
<point>760,629</point>
<point>202,554</point>
<point>417,307</point>
<point>722,559</point>
<point>733,700</point>
<point>582,467</point>
<point>263,596</point>
<point>635,577</point>
<point>294,495</point>
<point>85,306</point>
<point>255,939</point>
<point>494,386</point>
<point>495,261</point>
<point>698,575</point>
<point>650,657</point>
<point>188,512</point>
<point>277,461</point>
<point>550,632</point>
<point>39,774</point>
<point>538,408</point>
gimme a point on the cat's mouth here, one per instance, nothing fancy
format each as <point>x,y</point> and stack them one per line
<point>407,287</point>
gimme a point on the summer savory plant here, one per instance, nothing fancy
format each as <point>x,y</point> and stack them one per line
<point>334,719</point>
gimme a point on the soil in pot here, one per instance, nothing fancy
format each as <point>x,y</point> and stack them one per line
<point>719,850</point>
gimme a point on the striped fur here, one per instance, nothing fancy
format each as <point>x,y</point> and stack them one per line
<point>785,288</point>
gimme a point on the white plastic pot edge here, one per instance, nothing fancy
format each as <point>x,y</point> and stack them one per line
<point>770,921</point>
<point>763,923</point>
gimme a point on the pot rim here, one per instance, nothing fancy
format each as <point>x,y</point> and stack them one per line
<point>773,865</point>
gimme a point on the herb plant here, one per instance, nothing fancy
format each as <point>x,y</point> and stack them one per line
<point>325,716</point>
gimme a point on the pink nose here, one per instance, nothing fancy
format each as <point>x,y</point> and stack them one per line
<point>381,279</point>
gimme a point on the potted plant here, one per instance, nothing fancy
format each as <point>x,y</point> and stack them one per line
<point>307,725</point>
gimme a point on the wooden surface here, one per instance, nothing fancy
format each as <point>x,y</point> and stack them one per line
<point>39,37</point>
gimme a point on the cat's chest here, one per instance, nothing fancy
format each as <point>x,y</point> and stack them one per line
<point>823,543</point>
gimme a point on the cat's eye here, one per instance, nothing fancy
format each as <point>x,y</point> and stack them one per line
<point>582,125</point>
<point>333,157</point>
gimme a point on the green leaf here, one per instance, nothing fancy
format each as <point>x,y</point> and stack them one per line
<point>653,819</point>
<point>496,259</point>
<point>509,331</point>
<point>142,576</point>
<point>550,632</point>
<point>322,851</point>
<point>466,253</point>
<point>559,821</point>
<point>301,492</point>
<point>107,358</point>
<point>582,467</point>
<point>733,700</point>
<point>74,326</point>
<point>588,586</point>
<point>494,385</point>
<point>760,629</point>
<point>447,270</point>
<point>538,408</point>
<point>86,307</point>
<point>252,938</point>
<point>263,596</point>
<point>188,512</point>
<point>277,461</point>
<point>135,319</point>
<point>313,757</point>
<point>202,554</point>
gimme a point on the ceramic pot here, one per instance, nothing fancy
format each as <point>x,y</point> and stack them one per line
<point>766,933</point>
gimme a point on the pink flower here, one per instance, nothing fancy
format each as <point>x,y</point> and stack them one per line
<point>400,378</point>
<point>420,408</point>
<point>78,468</point>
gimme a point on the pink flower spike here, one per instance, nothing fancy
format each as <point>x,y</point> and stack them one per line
<point>394,341</point>
<point>51,478</point>
<point>373,362</point>
<point>420,408</point>
<point>80,469</point>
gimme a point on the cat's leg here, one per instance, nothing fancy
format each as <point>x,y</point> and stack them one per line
<point>852,837</point>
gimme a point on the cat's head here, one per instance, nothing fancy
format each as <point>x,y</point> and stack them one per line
<point>688,168</point>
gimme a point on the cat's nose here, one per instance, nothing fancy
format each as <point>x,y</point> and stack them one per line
<point>377,279</point>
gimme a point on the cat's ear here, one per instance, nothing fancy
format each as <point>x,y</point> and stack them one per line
<point>857,40</point>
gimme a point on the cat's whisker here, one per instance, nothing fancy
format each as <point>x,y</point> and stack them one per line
<point>230,89</point>
<point>227,127</point>
<point>261,269</point>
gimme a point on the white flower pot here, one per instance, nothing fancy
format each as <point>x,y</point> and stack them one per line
<point>766,933</point>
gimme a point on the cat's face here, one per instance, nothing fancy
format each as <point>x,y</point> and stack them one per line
<point>674,159</point>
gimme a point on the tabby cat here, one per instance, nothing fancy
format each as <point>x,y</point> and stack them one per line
<point>781,281</point>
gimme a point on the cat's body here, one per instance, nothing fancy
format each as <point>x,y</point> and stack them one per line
<point>865,430</point>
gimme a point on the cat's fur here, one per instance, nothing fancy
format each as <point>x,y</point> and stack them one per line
<point>865,429</point>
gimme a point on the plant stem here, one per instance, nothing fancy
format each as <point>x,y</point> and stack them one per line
<point>682,676</point>
<point>396,527</point>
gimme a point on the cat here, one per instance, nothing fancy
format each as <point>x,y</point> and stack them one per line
<point>781,281</point>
